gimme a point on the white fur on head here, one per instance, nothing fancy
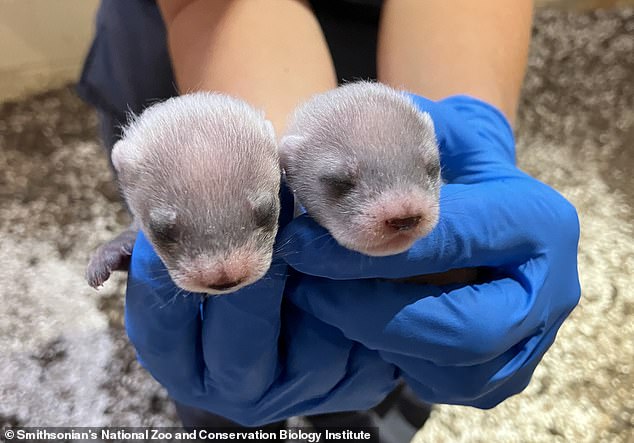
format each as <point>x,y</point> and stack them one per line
<point>288,147</point>
<point>271,129</point>
<point>426,119</point>
<point>124,156</point>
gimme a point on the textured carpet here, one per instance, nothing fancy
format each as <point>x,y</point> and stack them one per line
<point>66,360</point>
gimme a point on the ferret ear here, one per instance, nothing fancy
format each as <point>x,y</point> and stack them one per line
<point>427,122</point>
<point>124,156</point>
<point>289,145</point>
<point>429,133</point>
<point>426,119</point>
<point>162,216</point>
<point>270,129</point>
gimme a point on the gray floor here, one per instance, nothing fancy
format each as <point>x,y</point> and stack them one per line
<point>66,360</point>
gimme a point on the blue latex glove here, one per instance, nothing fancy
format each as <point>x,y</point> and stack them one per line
<point>248,356</point>
<point>473,345</point>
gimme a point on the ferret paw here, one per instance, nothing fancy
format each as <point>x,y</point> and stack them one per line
<point>112,256</point>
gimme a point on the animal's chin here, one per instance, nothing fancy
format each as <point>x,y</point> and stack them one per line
<point>379,246</point>
<point>200,289</point>
<point>216,292</point>
<point>395,245</point>
<point>189,283</point>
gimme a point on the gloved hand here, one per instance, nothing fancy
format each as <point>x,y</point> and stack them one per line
<point>472,345</point>
<point>249,356</point>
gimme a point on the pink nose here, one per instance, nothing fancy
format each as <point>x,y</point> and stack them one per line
<point>224,284</point>
<point>403,224</point>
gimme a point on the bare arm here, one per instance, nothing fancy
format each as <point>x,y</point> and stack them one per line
<point>270,53</point>
<point>438,48</point>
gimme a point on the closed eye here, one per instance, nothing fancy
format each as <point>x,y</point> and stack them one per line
<point>164,233</point>
<point>338,185</point>
<point>433,170</point>
<point>265,214</point>
<point>163,226</point>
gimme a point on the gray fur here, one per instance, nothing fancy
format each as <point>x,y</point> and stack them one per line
<point>200,173</point>
<point>370,136</point>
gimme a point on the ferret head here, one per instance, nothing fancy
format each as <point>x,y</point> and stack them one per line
<point>201,175</point>
<point>364,163</point>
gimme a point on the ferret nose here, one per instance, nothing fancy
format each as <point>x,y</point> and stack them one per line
<point>403,224</point>
<point>223,285</point>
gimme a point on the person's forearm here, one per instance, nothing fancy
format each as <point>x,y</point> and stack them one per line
<point>270,53</point>
<point>438,48</point>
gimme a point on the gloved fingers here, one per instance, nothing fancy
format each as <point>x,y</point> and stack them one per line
<point>229,362</point>
<point>163,322</point>
<point>320,371</point>
<point>484,385</point>
<point>240,336</point>
<point>446,326</point>
<point>323,371</point>
<point>487,224</point>
<point>224,347</point>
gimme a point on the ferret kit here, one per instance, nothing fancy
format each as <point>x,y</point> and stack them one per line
<point>364,163</point>
<point>200,174</point>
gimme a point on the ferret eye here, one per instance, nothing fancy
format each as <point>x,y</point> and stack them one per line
<point>164,234</point>
<point>163,226</point>
<point>265,213</point>
<point>433,170</point>
<point>338,185</point>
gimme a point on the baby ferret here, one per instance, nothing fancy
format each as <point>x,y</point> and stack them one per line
<point>200,174</point>
<point>364,163</point>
